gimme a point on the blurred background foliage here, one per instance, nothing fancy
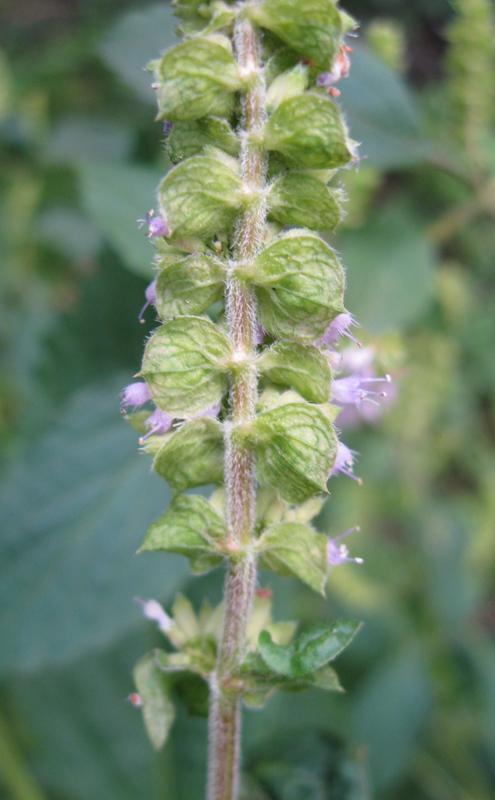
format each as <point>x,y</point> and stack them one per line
<point>81,157</point>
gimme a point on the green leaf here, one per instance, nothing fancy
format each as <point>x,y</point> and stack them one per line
<point>303,368</point>
<point>185,365</point>
<point>299,285</point>
<point>115,197</point>
<point>296,448</point>
<point>127,47</point>
<point>295,550</point>
<point>314,649</point>
<point>187,139</point>
<point>189,286</point>
<point>192,456</point>
<point>75,508</point>
<point>158,710</point>
<point>296,198</point>
<point>391,267</point>
<point>309,131</point>
<point>312,27</point>
<point>196,78</point>
<point>382,114</point>
<point>200,197</point>
<point>191,527</point>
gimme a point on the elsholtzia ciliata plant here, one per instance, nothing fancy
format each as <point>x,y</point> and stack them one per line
<point>242,369</point>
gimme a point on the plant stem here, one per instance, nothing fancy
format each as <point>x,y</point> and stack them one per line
<point>225,712</point>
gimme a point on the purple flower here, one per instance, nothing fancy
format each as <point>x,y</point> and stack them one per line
<point>259,335</point>
<point>339,327</point>
<point>338,553</point>
<point>212,412</point>
<point>159,422</point>
<point>150,295</point>
<point>345,462</point>
<point>157,226</point>
<point>167,126</point>
<point>153,610</point>
<point>340,69</point>
<point>352,390</point>
<point>136,394</point>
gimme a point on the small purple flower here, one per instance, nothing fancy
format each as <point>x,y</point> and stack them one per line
<point>339,327</point>
<point>340,69</point>
<point>135,395</point>
<point>157,226</point>
<point>150,295</point>
<point>338,553</point>
<point>167,126</point>
<point>212,412</point>
<point>352,390</point>
<point>158,423</point>
<point>153,610</point>
<point>345,462</point>
<point>259,335</point>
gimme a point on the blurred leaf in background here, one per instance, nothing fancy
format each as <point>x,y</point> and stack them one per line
<point>81,159</point>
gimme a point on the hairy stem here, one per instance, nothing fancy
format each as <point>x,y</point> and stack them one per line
<point>225,716</point>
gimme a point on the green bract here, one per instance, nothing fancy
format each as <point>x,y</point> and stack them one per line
<point>190,527</point>
<point>158,710</point>
<point>192,456</point>
<point>187,139</point>
<point>295,550</point>
<point>296,198</point>
<point>196,78</point>
<point>304,368</point>
<point>185,365</point>
<point>296,447</point>
<point>313,27</point>
<point>309,131</point>
<point>200,197</point>
<point>189,286</point>
<point>299,285</point>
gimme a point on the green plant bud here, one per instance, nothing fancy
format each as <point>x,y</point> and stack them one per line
<point>190,527</point>
<point>296,198</point>
<point>153,688</point>
<point>309,131</point>
<point>312,27</point>
<point>304,368</point>
<point>196,78</point>
<point>187,139</point>
<point>287,85</point>
<point>295,551</point>
<point>189,286</point>
<point>311,651</point>
<point>299,285</point>
<point>200,197</point>
<point>296,447</point>
<point>185,365</point>
<point>305,512</point>
<point>192,456</point>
